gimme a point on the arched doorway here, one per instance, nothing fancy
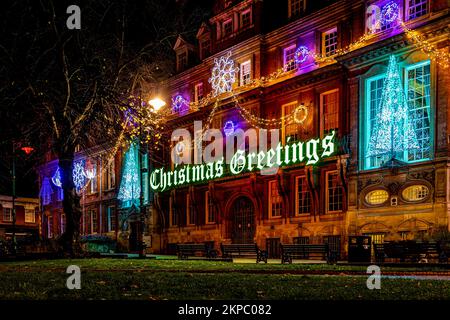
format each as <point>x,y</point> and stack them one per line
<point>242,217</point>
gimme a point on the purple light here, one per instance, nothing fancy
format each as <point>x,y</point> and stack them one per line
<point>301,54</point>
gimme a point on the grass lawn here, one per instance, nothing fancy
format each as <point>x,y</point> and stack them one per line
<point>174,279</point>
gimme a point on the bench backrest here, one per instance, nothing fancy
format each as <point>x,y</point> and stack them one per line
<point>304,248</point>
<point>191,247</point>
<point>239,248</point>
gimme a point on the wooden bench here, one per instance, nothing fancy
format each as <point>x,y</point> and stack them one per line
<point>304,251</point>
<point>406,250</point>
<point>229,250</point>
<point>184,250</point>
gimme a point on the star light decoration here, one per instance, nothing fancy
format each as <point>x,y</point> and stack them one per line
<point>393,131</point>
<point>389,13</point>
<point>223,74</point>
<point>178,102</point>
<point>56,178</point>
<point>79,175</point>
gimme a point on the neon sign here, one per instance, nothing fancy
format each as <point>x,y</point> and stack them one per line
<point>310,153</point>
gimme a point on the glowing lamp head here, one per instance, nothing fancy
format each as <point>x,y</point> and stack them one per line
<point>157,103</point>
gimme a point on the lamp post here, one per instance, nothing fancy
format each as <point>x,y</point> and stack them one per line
<point>27,150</point>
<point>156,103</point>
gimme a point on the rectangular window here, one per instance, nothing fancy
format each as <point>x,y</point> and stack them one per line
<point>296,7</point>
<point>417,8</point>
<point>210,209</point>
<point>245,69</point>
<point>303,196</point>
<point>205,48</point>
<point>227,28</point>
<point>182,61</point>
<point>418,98</point>
<point>288,58</point>
<point>330,111</point>
<point>173,213</point>
<point>190,212</point>
<point>111,214</point>
<point>30,216</point>
<point>334,193</point>
<point>374,90</point>
<point>289,129</point>
<point>145,182</point>
<point>110,176</point>
<point>329,42</point>
<point>7,214</point>
<point>93,184</point>
<point>275,200</point>
<point>198,92</point>
<point>246,19</point>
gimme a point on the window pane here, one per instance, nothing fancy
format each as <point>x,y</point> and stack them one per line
<point>303,196</point>
<point>418,98</point>
<point>276,202</point>
<point>417,8</point>
<point>334,193</point>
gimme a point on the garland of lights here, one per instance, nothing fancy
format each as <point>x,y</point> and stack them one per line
<point>228,128</point>
<point>301,54</point>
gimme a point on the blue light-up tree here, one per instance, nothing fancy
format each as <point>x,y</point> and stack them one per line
<point>130,186</point>
<point>393,132</point>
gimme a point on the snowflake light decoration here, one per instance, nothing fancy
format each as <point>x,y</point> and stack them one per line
<point>389,13</point>
<point>228,128</point>
<point>178,102</point>
<point>56,179</point>
<point>223,74</point>
<point>301,54</point>
<point>78,175</point>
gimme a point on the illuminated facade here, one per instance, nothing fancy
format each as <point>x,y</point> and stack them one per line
<point>333,57</point>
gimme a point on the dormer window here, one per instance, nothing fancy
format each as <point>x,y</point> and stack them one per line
<point>227,28</point>
<point>296,7</point>
<point>205,48</point>
<point>181,61</point>
<point>246,19</point>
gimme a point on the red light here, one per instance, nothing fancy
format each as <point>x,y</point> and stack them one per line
<point>27,150</point>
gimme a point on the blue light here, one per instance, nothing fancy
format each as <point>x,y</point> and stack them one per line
<point>130,186</point>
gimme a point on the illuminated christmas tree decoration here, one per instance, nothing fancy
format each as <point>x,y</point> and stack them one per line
<point>300,114</point>
<point>228,128</point>
<point>78,175</point>
<point>56,179</point>
<point>130,186</point>
<point>179,148</point>
<point>393,132</point>
<point>301,54</point>
<point>389,13</point>
<point>223,74</point>
<point>178,102</point>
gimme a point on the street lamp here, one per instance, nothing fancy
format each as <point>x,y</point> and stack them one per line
<point>157,103</point>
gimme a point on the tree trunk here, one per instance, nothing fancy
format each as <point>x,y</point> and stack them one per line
<point>71,206</point>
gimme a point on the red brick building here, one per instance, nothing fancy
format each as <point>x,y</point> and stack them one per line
<point>348,193</point>
<point>27,217</point>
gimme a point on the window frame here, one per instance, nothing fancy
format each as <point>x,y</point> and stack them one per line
<point>182,54</point>
<point>284,125</point>
<point>6,209</point>
<point>292,66</point>
<point>197,97</point>
<point>242,81</point>
<point>407,15</point>
<point>208,206</point>
<point>241,18</point>
<point>297,198</point>
<point>327,193</point>
<point>226,22</point>
<point>322,112</point>
<point>323,42</point>
<point>271,216</point>
<point>302,10</point>
<point>29,212</point>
